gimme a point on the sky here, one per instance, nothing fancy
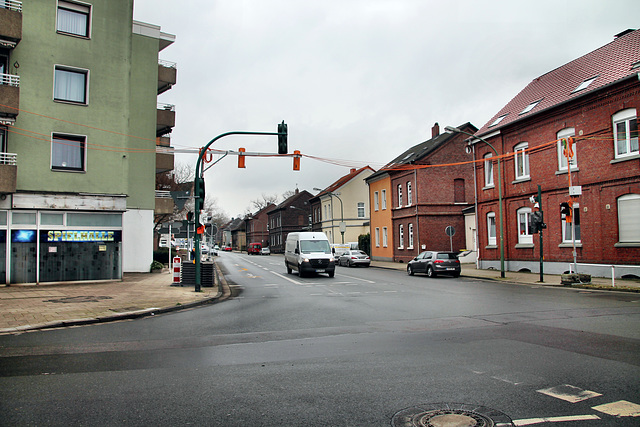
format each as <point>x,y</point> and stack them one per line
<point>358,82</point>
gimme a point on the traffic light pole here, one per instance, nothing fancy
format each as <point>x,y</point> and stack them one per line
<point>540,232</point>
<point>199,190</point>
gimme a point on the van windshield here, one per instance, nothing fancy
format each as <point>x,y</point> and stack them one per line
<point>309,246</point>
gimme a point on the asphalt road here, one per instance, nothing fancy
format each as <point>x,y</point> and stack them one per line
<point>369,347</point>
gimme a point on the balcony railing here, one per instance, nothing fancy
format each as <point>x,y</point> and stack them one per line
<point>8,159</point>
<point>9,80</point>
<point>11,5</point>
<point>166,107</point>
<point>167,64</point>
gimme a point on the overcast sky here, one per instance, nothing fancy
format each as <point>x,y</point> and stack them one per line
<point>357,81</point>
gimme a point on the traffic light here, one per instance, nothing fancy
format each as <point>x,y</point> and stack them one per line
<point>241,158</point>
<point>198,185</point>
<point>566,210</point>
<point>189,216</point>
<point>282,138</point>
<point>536,222</point>
<point>296,160</point>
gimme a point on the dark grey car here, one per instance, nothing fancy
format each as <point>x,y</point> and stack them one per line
<point>434,263</point>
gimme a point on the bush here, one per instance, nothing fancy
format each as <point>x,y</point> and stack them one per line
<point>155,265</point>
<point>364,243</point>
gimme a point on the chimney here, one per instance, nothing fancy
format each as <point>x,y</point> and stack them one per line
<point>435,130</point>
<point>297,191</point>
<point>353,170</point>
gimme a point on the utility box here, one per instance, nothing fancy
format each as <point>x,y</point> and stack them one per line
<point>207,279</point>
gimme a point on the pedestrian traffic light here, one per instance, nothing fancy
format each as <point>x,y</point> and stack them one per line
<point>241,158</point>
<point>282,138</point>
<point>566,210</point>
<point>296,160</point>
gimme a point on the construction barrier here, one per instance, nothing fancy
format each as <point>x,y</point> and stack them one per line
<point>177,269</point>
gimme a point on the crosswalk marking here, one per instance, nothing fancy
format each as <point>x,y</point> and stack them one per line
<point>531,421</point>
<point>569,393</point>
<point>621,408</point>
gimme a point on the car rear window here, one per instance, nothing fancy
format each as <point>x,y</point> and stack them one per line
<point>447,256</point>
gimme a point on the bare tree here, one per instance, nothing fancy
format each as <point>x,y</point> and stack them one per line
<point>262,202</point>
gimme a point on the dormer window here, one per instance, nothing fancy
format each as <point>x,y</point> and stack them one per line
<point>498,120</point>
<point>530,107</point>
<point>584,84</point>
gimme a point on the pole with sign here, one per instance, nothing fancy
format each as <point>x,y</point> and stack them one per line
<point>450,231</point>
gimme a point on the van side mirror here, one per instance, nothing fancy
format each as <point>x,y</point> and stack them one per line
<point>297,251</point>
<point>333,250</point>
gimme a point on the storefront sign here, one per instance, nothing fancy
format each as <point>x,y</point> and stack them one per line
<point>83,236</point>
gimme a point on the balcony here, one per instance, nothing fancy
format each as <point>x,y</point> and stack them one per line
<point>10,95</point>
<point>164,155</point>
<point>166,119</point>
<point>167,73</point>
<point>8,172</point>
<point>164,203</point>
<point>10,23</point>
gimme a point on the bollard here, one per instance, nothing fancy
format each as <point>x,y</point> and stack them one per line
<point>177,268</point>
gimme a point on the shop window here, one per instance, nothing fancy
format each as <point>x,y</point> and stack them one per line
<point>628,224</point>
<point>68,152</point>
<point>524,235</point>
<point>70,85</point>
<point>625,133</point>
<point>521,160</point>
<point>562,159</point>
<point>94,220</point>
<point>74,18</point>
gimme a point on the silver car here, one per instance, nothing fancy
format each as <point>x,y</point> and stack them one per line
<point>354,258</point>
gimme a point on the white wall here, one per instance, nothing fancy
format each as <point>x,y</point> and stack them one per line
<point>137,240</point>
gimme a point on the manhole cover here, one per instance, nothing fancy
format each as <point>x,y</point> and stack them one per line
<point>450,415</point>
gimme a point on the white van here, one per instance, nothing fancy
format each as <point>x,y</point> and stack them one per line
<point>309,252</point>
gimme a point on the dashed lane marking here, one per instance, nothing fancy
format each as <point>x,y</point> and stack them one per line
<point>531,421</point>
<point>569,393</point>
<point>621,408</point>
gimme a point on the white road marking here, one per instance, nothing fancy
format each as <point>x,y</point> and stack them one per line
<point>356,278</point>
<point>505,380</point>
<point>621,408</point>
<point>531,421</point>
<point>295,282</point>
<point>569,393</point>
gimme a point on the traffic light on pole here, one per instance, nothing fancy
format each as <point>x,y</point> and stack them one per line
<point>241,158</point>
<point>296,160</point>
<point>282,138</point>
<point>199,193</point>
<point>566,210</point>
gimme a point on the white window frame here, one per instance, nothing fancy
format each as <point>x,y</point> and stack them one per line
<point>401,236</point>
<point>410,233</point>
<point>409,194</point>
<point>383,193</point>
<point>377,237</point>
<point>77,8</point>
<point>521,162</point>
<point>361,210</point>
<point>562,160</point>
<point>399,195</point>
<point>524,234</point>
<point>628,225</point>
<point>376,201</point>
<point>491,229</point>
<point>56,138</point>
<point>57,82</point>
<point>385,237</point>
<point>627,118</point>
<point>488,171</point>
<point>567,227</point>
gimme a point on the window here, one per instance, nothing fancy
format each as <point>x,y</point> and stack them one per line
<point>401,237</point>
<point>68,152</point>
<point>498,120</point>
<point>360,209</point>
<point>384,199</point>
<point>399,195</point>
<point>524,235</point>
<point>410,236</point>
<point>3,139</point>
<point>567,227</point>
<point>385,236</point>
<point>488,170</point>
<point>562,159</point>
<point>74,18</point>
<point>491,228</point>
<point>376,201</point>
<point>377,237</point>
<point>530,107</point>
<point>585,84</point>
<point>521,160</point>
<point>625,132</point>
<point>628,224</point>
<point>70,85</point>
<point>409,194</point>
<point>458,191</point>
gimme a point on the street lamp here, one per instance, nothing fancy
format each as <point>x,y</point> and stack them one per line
<point>342,224</point>
<point>450,129</point>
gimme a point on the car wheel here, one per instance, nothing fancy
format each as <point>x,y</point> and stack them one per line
<point>409,270</point>
<point>430,272</point>
<point>350,264</point>
<point>300,274</point>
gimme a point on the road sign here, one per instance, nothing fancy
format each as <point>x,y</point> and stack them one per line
<point>450,231</point>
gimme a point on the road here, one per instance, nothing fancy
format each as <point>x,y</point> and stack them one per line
<point>369,347</point>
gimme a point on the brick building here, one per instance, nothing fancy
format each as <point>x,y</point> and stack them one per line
<point>595,100</point>
<point>291,215</point>
<point>257,226</point>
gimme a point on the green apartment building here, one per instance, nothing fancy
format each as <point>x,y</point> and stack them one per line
<point>81,139</point>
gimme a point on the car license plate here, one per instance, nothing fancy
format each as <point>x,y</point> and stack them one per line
<point>450,269</point>
<point>319,270</point>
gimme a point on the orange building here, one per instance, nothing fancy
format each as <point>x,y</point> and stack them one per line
<point>381,221</point>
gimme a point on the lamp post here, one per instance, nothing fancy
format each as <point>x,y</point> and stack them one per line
<point>450,129</point>
<point>342,224</point>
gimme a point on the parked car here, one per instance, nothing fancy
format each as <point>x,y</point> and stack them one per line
<point>204,249</point>
<point>254,248</point>
<point>433,263</point>
<point>265,251</point>
<point>354,258</point>
<point>214,251</point>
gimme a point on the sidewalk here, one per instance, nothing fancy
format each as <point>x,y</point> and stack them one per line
<point>24,308</point>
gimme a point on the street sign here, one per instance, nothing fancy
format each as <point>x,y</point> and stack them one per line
<point>450,231</point>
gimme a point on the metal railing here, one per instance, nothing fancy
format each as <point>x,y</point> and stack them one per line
<point>12,5</point>
<point>167,64</point>
<point>8,159</point>
<point>10,80</point>
<point>168,107</point>
<point>613,269</point>
<point>163,194</point>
